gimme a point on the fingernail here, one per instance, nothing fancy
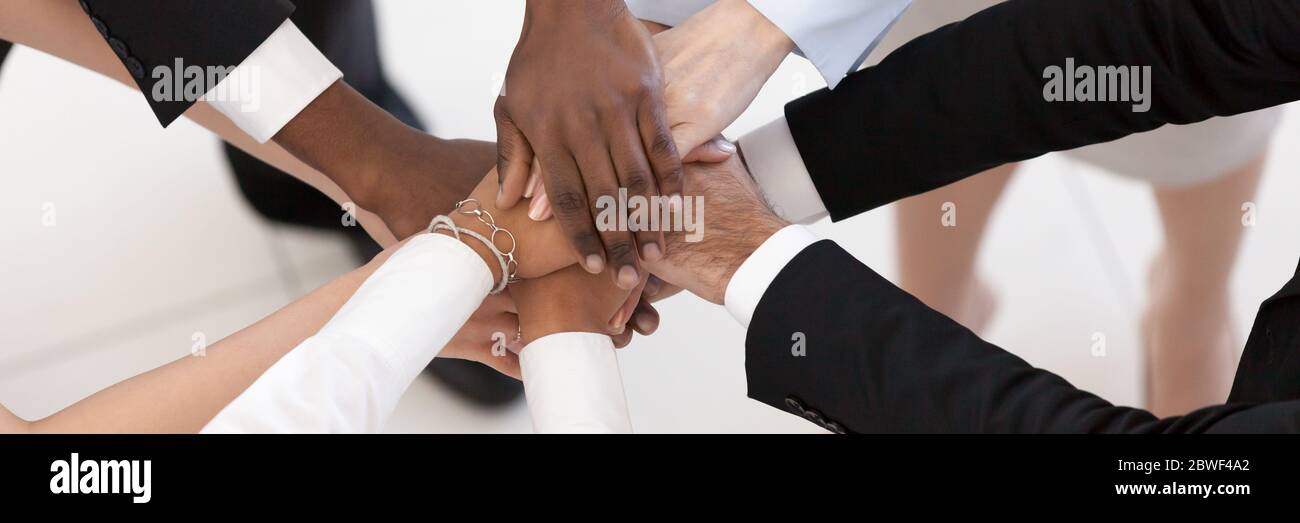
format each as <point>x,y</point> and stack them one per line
<point>595,264</point>
<point>532,185</point>
<point>651,252</point>
<point>645,323</point>
<point>651,288</point>
<point>619,323</point>
<point>627,277</point>
<point>725,146</point>
<point>538,208</point>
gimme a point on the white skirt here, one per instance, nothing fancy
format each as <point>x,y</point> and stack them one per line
<point>1171,156</point>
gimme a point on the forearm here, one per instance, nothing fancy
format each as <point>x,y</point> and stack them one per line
<point>347,138</point>
<point>183,396</point>
<point>878,360</point>
<point>970,96</point>
<point>559,12</point>
<point>349,376</point>
<point>573,385</point>
<point>61,29</point>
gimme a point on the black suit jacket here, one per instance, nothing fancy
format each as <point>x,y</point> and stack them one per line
<point>875,359</point>
<point>969,96</point>
<point>146,34</point>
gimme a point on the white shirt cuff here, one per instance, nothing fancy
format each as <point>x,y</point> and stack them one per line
<point>774,161</point>
<point>350,375</point>
<point>573,385</point>
<point>274,84</point>
<point>752,279</point>
<point>829,33</point>
<point>670,13</point>
<point>835,35</point>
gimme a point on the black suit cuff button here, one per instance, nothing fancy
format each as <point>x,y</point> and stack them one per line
<point>119,47</point>
<point>84,7</point>
<point>815,417</point>
<point>99,26</point>
<point>794,405</point>
<point>134,67</point>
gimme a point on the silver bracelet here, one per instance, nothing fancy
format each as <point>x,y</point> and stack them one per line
<point>505,257</point>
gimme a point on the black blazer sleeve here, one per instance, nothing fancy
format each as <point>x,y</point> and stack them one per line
<point>969,96</point>
<point>146,34</point>
<point>875,359</point>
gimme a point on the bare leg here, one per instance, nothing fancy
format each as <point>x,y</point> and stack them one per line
<point>936,261</point>
<point>1187,329</point>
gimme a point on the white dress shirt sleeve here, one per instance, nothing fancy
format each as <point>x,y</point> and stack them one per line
<point>774,161</point>
<point>752,279</point>
<point>835,35</point>
<point>274,84</point>
<point>573,385</point>
<point>349,377</point>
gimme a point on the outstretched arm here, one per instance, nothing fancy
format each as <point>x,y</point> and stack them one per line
<point>340,143</point>
<point>183,395</point>
<point>980,93</point>
<point>61,29</point>
<point>831,341</point>
<point>875,359</point>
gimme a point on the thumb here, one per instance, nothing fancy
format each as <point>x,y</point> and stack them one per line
<point>717,150</point>
<point>514,161</point>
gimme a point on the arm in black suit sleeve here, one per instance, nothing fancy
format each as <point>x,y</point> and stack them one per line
<point>969,96</point>
<point>877,360</point>
<point>146,34</point>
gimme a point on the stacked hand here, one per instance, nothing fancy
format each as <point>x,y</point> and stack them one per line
<point>713,67</point>
<point>555,296</point>
<point>610,131</point>
<point>584,94</point>
<point>738,222</point>
<point>573,300</point>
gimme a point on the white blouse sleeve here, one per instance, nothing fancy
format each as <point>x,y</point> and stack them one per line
<point>350,375</point>
<point>573,385</point>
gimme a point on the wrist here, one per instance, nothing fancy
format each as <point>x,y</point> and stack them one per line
<point>563,12</point>
<point>490,260</point>
<point>531,331</point>
<point>741,251</point>
<point>754,27</point>
<point>343,135</point>
<point>536,327</point>
<point>384,175</point>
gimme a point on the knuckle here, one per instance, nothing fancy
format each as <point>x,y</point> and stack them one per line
<point>637,180</point>
<point>586,240</point>
<point>671,173</point>
<point>568,204</point>
<point>501,111</point>
<point>621,250</point>
<point>610,103</point>
<point>662,147</point>
<point>505,148</point>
